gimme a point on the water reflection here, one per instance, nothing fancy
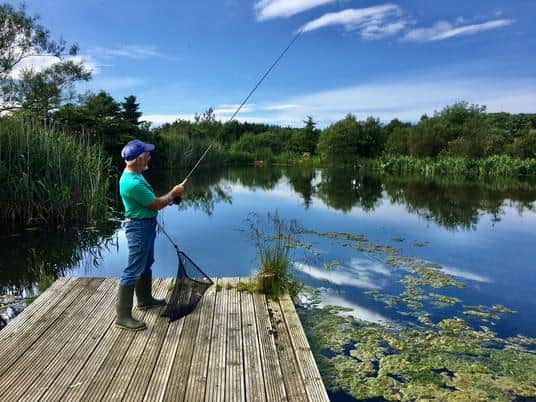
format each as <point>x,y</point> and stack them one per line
<point>448,203</point>
<point>30,255</point>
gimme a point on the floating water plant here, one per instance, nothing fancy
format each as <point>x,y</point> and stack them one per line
<point>447,361</point>
<point>420,360</point>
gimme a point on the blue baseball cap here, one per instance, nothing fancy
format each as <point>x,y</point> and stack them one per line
<point>135,148</point>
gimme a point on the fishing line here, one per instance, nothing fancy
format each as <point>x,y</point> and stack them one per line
<point>250,94</point>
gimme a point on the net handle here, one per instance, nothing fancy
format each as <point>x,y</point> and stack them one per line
<point>160,227</point>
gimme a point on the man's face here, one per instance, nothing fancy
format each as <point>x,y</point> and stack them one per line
<point>145,158</point>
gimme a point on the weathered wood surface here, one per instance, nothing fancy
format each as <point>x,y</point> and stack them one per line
<point>235,346</point>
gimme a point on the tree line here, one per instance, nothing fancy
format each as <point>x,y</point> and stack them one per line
<point>49,96</point>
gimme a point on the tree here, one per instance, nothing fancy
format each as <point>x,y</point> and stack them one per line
<point>23,40</point>
<point>305,140</point>
<point>130,110</point>
<point>340,140</point>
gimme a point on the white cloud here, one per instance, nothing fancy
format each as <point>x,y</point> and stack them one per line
<point>408,98</point>
<point>229,109</point>
<point>279,107</point>
<point>444,30</point>
<point>373,22</point>
<point>378,31</point>
<point>130,51</point>
<point>268,9</point>
<point>40,63</point>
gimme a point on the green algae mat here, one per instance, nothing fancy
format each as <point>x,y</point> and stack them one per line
<point>458,358</point>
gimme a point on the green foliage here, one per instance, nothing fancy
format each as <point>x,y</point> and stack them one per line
<point>304,140</point>
<point>51,178</point>
<point>524,146</point>
<point>35,92</point>
<point>131,111</point>
<point>419,359</point>
<point>457,167</point>
<point>264,145</point>
<point>350,138</point>
<point>339,141</point>
<point>274,240</point>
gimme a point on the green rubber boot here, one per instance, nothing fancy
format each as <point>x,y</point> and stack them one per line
<point>124,317</point>
<point>143,293</point>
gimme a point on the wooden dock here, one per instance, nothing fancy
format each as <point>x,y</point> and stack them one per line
<point>236,346</point>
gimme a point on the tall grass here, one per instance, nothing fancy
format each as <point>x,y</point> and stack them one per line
<point>48,177</point>
<point>274,240</point>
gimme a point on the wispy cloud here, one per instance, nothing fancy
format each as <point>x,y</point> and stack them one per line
<point>373,22</point>
<point>408,98</point>
<point>268,9</point>
<point>279,107</point>
<point>444,30</point>
<point>229,109</point>
<point>129,51</point>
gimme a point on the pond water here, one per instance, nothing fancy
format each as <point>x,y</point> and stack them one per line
<point>482,236</point>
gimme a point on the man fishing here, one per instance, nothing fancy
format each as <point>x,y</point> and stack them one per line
<point>141,209</point>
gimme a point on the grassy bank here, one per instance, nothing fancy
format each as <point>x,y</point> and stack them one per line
<point>49,177</point>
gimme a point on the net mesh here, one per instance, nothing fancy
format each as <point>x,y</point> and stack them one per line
<point>190,286</point>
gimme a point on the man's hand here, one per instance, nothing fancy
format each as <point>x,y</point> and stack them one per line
<point>168,199</point>
<point>177,190</point>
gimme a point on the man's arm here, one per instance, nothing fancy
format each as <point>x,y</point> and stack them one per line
<point>167,199</point>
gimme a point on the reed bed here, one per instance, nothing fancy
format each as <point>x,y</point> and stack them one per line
<point>49,177</point>
<point>493,166</point>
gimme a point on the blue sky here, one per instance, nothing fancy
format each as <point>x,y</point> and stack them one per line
<point>386,59</point>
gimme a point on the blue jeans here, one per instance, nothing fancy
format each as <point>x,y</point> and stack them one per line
<point>140,236</point>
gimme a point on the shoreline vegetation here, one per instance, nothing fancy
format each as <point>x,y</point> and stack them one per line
<point>60,149</point>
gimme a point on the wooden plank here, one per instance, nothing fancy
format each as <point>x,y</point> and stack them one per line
<point>215,390</point>
<point>178,376</point>
<point>15,347</point>
<point>273,376</point>
<point>197,380</point>
<point>30,313</point>
<point>235,346</point>
<point>254,377</point>
<point>101,364</point>
<point>289,365</point>
<point>122,377</point>
<point>161,373</point>
<point>17,329</point>
<point>63,369</point>
<point>26,370</point>
<point>234,375</point>
<point>88,317</point>
<point>109,370</point>
<point>311,376</point>
<point>148,364</point>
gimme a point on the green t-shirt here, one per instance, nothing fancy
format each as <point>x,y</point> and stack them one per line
<point>136,194</point>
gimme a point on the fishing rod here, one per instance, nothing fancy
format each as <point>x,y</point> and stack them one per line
<point>178,199</point>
